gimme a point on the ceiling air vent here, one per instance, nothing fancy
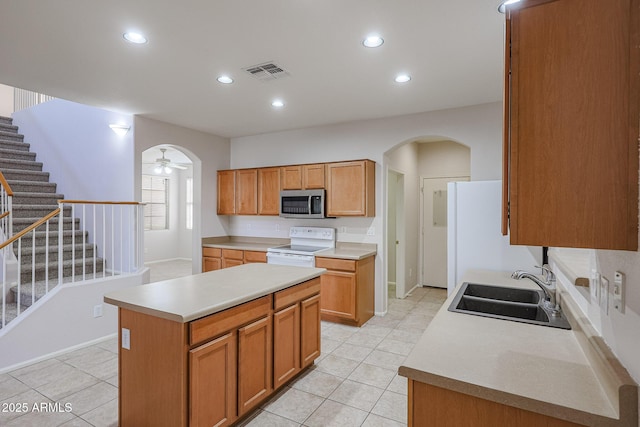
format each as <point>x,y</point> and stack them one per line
<point>267,71</point>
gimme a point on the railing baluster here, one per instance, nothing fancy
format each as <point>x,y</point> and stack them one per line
<point>4,284</point>
<point>94,247</point>
<point>73,243</point>
<point>121,240</point>
<point>104,240</point>
<point>46,255</point>
<point>60,242</point>
<point>113,236</point>
<point>84,238</point>
<point>33,259</point>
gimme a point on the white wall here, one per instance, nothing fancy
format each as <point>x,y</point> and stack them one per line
<point>84,156</point>
<point>209,153</point>
<point>6,100</point>
<point>443,159</point>
<point>478,127</point>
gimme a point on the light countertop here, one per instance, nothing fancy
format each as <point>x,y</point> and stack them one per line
<point>343,250</point>
<point>536,368</point>
<point>191,297</point>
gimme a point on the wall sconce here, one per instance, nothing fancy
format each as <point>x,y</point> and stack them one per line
<point>120,130</point>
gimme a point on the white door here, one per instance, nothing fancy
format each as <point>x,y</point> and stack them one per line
<point>434,230</point>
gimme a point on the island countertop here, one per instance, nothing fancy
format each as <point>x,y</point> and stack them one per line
<point>191,297</point>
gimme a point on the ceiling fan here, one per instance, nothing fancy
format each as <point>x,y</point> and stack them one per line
<point>165,165</point>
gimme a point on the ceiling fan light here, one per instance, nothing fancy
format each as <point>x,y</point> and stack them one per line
<point>158,170</point>
<point>167,170</point>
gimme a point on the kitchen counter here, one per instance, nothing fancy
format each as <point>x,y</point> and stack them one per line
<point>191,297</point>
<point>566,374</point>
<point>343,250</point>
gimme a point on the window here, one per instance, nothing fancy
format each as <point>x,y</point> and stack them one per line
<point>155,193</point>
<point>189,207</point>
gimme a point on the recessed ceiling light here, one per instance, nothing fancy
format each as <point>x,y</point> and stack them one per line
<point>133,37</point>
<point>373,41</point>
<point>225,79</point>
<point>278,103</point>
<point>505,3</point>
<point>402,78</point>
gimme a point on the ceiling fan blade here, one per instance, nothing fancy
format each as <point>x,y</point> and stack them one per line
<point>176,166</point>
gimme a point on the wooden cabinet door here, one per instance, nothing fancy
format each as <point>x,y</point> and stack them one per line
<point>351,188</point>
<point>254,256</point>
<point>338,294</point>
<point>254,364</point>
<point>210,264</point>
<point>247,192</point>
<point>313,176</point>
<point>226,192</point>
<point>269,191</point>
<point>227,262</point>
<point>309,330</point>
<point>286,344</point>
<point>573,123</point>
<point>212,383</point>
<point>291,177</point>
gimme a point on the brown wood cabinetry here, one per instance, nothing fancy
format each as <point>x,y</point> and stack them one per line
<point>217,258</point>
<point>247,192</point>
<point>296,330</point>
<point>211,259</point>
<point>269,191</point>
<point>351,188</point>
<point>434,406</point>
<point>347,290</point>
<point>254,364</point>
<point>572,89</point>
<point>226,192</point>
<point>212,385</point>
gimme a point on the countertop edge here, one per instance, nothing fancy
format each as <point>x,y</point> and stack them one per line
<point>206,311</point>
<point>514,400</point>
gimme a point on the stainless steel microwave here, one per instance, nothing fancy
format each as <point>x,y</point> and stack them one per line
<point>302,203</point>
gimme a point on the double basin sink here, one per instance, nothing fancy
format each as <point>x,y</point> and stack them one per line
<point>515,304</point>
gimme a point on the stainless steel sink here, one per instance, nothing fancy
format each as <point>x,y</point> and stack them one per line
<point>518,305</point>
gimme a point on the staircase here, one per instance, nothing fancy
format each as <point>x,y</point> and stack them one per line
<point>33,198</point>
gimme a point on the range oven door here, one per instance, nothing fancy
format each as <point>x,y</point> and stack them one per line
<point>281,258</point>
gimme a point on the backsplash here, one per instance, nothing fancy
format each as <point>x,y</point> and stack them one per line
<point>355,230</point>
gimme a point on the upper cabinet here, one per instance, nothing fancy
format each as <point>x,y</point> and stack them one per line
<point>571,123</point>
<point>268,191</point>
<point>351,188</point>
<point>247,192</point>
<point>226,192</point>
<point>303,177</point>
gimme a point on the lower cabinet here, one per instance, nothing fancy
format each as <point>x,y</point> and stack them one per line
<point>434,406</point>
<point>217,258</point>
<point>347,290</point>
<point>212,385</point>
<point>241,355</point>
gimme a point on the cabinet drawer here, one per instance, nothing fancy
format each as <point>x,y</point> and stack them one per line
<point>336,264</point>
<point>255,256</point>
<point>232,254</point>
<point>219,323</point>
<point>296,293</point>
<point>211,252</point>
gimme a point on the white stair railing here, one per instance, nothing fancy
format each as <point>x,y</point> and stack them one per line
<point>106,239</point>
<point>23,98</point>
<point>6,216</point>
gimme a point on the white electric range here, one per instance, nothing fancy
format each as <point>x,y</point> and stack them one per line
<point>305,243</point>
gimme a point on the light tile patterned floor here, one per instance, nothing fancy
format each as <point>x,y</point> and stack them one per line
<point>353,383</point>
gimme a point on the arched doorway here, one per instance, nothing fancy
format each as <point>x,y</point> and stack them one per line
<point>170,188</point>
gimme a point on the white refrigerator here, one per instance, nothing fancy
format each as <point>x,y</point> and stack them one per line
<point>474,238</point>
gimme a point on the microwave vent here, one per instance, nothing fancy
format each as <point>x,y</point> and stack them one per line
<point>267,71</point>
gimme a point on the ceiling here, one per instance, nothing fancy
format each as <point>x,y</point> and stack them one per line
<point>74,49</point>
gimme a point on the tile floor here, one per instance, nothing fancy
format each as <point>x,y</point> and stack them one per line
<point>353,383</point>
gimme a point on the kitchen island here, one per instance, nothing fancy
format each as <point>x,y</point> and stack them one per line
<point>479,371</point>
<point>206,349</point>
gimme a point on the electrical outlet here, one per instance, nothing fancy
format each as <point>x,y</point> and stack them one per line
<point>126,339</point>
<point>604,295</point>
<point>343,229</point>
<point>97,310</point>
<point>618,291</point>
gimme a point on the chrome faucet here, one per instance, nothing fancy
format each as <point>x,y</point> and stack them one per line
<point>548,286</point>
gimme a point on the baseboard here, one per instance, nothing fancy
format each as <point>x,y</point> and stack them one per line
<point>167,260</point>
<point>57,353</point>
